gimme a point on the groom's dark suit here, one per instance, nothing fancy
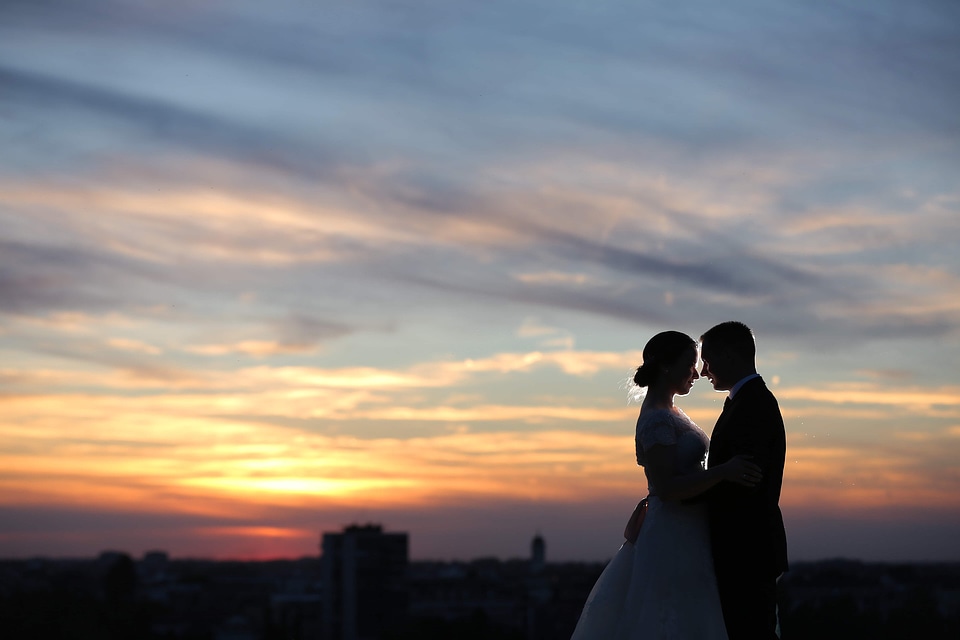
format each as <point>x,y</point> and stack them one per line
<point>746,527</point>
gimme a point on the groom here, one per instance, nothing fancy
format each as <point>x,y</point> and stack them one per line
<point>746,527</point>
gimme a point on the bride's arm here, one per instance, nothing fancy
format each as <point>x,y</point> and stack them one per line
<point>662,472</point>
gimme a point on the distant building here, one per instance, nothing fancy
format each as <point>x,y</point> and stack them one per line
<point>364,582</point>
<point>153,566</point>
<point>539,590</point>
<point>538,554</point>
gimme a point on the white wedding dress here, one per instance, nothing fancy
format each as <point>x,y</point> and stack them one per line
<point>663,587</point>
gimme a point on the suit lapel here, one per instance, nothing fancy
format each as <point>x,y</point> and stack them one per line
<point>730,407</point>
<point>717,434</point>
<point>723,417</point>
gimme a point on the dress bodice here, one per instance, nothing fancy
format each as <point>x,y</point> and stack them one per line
<point>672,427</point>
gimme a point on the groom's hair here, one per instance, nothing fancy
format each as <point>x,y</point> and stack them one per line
<point>733,336</point>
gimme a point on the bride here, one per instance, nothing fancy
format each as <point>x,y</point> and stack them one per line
<point>662,586</point>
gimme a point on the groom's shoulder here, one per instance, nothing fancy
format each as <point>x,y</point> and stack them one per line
<point>755,387</point>
<point>765,390</point>
<point>759,393</point>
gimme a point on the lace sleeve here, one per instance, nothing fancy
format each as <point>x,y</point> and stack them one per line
<point>654,430</point>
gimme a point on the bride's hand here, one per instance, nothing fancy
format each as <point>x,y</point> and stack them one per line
<point>740,470</point>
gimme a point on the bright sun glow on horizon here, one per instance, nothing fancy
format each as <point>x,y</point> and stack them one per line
<point>205,457</point>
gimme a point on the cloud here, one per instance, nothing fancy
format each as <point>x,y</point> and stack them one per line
<point>127,344</point>
<point>257,348</point>
<point>554,277</point>
<point>498,414</point>
<point>164,125</point>
<point>299,334</point>
<point>532,328</point>
<point>870,394</point>
<point>383,204</point>
<point>40,278</point>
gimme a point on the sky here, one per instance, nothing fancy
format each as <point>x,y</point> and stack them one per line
<point>270,269</point>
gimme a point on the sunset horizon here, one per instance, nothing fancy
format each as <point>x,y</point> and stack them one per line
<point>266,272</point>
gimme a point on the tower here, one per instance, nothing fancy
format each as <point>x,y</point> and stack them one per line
<point>538,554</point>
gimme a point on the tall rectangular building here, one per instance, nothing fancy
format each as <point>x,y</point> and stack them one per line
<point>364,582</point>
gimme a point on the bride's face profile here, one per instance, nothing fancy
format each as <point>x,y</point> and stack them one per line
<point>682,373</point>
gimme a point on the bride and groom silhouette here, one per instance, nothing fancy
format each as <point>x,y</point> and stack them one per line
<point>705,562</point>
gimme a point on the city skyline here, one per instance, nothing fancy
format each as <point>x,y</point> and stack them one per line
<point>270,271</point>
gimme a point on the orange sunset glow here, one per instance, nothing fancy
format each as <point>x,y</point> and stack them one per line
<point>377,270</point>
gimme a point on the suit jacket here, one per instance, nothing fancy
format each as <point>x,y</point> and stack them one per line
<point>746,525</point>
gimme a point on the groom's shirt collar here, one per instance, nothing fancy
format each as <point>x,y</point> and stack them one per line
<point>744,380</point>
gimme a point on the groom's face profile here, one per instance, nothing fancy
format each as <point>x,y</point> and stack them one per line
<point>715,367</point>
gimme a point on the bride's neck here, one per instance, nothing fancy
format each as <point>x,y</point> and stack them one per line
<point>658,398</point>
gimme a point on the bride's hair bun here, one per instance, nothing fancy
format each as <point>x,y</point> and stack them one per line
<point>662,349</point>
<point>645,374</point>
